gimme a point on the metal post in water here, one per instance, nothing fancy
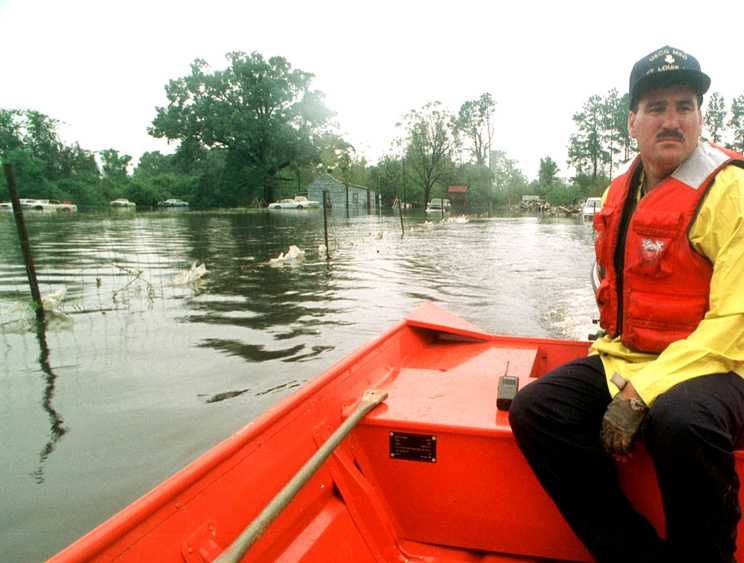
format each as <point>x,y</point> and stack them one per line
<point>325,222</point>
<point>400,209</point>
<point>23,236</point>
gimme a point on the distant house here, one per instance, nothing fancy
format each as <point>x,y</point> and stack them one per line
<point>359,197</point>
<point>530,197</point>
<point>458,195</point>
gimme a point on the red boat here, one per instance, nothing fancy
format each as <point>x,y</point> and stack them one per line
<point>398,453</point>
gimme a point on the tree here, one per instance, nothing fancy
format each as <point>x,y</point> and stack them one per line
<point>715,117</point>
<point>158,177</point>
<point>474,122</point>
<point>115,169</point>
<point>548,172</point>
<point>261,112</point>
<point>114,166</point>
<point>479,180</point>
<point>736,123</point>
<point>586,151</point>
<point>509,181</point>
<point>603,137</point>
<point>561,193</point>
<point>616,137</point>
<point>390,178</point>
<point>430,144</point>
<point>44,166</point>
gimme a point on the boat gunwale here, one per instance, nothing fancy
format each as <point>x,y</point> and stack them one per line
<point>106,534</point>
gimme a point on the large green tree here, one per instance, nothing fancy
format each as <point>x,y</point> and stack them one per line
<point>390,177</point>
<point>260,112</point>
<point>509,182</point>
<point>602,141</point>
<point>430,145</point>
<point>548,173</point>
<point>115,169</point>
<point>475,123</point>
<point>44,166</point>
<point>586,152</point>
<point>616,137</point>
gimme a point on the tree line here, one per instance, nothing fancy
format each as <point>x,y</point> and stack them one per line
<point>256,131</point>
<point>602,142</point>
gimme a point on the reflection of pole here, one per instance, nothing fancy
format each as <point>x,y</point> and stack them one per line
<point>23,236</point>
<point>325,222</point>
<point>56,420</point>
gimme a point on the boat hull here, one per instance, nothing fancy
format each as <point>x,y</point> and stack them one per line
<point>432,474</point>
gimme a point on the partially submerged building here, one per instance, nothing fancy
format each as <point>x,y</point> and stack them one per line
<point>342,195</point>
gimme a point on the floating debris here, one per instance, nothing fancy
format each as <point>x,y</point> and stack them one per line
<point>20,312</point>
<point>193,275</point>
<point>451,220</point>
<point>53,301</point>
<point>292,256</point>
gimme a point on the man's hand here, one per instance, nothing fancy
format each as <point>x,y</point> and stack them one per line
<point>622,423</point>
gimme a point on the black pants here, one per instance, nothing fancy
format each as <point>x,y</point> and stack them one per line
<point>690,433</point>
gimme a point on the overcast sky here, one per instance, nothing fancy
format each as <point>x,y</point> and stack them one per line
<point>100,66</point>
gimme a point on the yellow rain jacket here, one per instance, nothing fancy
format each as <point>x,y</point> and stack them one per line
<point>717,345</point>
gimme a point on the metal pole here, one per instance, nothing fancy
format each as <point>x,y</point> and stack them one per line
<point>23,236</point>
<point>400,210</point>
<point>325,222</point>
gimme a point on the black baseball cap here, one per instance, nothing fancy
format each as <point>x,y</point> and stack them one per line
<point>666,67</point>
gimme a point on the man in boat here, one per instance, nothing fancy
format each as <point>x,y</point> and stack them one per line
<point>670,253</point>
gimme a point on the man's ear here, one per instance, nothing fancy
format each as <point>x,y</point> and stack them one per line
<point>631,124</point>
<point>700,121</point>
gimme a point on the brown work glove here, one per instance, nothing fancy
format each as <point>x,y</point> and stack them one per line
<point>620,426</point>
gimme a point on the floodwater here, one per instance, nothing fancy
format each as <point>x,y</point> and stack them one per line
<point>139,370</point>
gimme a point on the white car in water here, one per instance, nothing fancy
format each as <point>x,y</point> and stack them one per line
<point>439,205</point>
<point>48,205</point>
<point>173,203</point>
<point>8,206</point>
<point>121,202</point>
<point>299,202</point>
<point>591,206</point>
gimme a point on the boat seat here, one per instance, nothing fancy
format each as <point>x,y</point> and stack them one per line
<point>445,463</point>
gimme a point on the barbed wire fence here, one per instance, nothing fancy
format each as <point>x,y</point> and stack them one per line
<point>135,260</point>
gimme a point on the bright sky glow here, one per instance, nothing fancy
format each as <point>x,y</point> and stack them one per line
<point>100,67</point>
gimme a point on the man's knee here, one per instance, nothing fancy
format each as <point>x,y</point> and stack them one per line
<point>678,422</point>
<point>521,411</point>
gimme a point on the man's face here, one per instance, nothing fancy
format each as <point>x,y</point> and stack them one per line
<point>667,127</point>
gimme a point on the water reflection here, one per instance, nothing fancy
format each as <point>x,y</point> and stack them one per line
<point>55,419</point>
<point>156,373</point>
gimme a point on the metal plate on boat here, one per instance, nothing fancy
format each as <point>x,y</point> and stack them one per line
<point>413,447</point>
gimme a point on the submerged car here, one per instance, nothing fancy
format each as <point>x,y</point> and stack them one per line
<point>299,202</point>
<point>121,202</point>
<point>48,205</point>
<point>591,206</point>
<point>8,206</point>
<point>173,203</point>
<point>437,205</point>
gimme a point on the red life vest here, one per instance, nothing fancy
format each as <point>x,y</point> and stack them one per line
<point>655,287</point>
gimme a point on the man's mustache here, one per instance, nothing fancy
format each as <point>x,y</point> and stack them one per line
<point>671,134</point>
